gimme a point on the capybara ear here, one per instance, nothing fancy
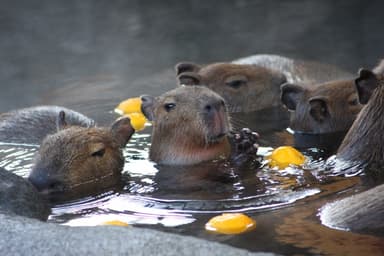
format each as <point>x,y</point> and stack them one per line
<point>290,95</point>
<point>318,108</point>
<point>366,83</point>
<point>182,67</point>
<point>122,130</point>
<point>189,78</point>
<point>60,121</point>
<point>148,106</point>
<point>379,69</point>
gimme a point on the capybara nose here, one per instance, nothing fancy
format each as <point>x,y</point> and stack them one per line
<point>43,182</point>
<point>214,106</point>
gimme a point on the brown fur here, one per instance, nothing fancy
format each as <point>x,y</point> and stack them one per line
<point>244,87</point>
<point>190,125</point>
<point>364,142</point>
<point>253,83</point>
<point>353,215</point>
<point>362,149</point>
<point>325,108</point>
<point>77,158</point>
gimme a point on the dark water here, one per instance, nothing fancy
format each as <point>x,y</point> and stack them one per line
<point>89,55</point>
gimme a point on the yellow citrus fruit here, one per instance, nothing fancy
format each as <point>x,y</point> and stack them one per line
<point>284,156</point>
<point>137,121</point>
<point>115,223</point>
<point>131,105</point>
<point>230,223</point>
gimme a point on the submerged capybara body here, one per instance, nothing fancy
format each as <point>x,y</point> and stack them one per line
<point>190,125</point>
<point>31,125</point>
<point>74,155</point>
<point>253,83</point>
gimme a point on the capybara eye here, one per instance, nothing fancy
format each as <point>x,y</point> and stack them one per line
<point>236,84</point>
<point>169,106</point>
<point>99,153</point>
<point>354,102</point>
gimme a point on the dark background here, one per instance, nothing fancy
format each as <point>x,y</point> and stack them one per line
<point>46,45</point>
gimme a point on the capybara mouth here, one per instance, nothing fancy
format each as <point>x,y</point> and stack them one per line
<point>216,138</point>
<point>53,192</point>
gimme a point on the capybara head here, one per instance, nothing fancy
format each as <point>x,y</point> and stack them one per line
<point>245,88</point>
<point>190,125</point>
<point>325,108</point>
<point>76,158</point>
<point>363,144</point>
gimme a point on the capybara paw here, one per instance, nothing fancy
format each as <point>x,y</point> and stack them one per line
<point>244,144</point>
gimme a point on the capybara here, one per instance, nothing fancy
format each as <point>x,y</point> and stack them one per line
<point>191,125</point>
<point>363,144</point>
<point>77,158</point>
<point>253,83</point>
<point>362,150</point>
<point>325,108</point>
<point>74,154</point>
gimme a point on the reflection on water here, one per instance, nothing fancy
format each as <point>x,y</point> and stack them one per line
<point>17,157</point>
<point>181,199</point>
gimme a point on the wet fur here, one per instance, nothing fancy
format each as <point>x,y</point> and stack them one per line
<point>363,147</point>
<point>74,155</point>
<point>253,83</point>
<point>364,141</point>
<point>31,125</point>
<point>18,196</point>
<point>185,134</point>
<point>324,108</point>
<point>361,212</point>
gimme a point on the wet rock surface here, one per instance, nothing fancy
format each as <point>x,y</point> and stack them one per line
<point>21,236</point>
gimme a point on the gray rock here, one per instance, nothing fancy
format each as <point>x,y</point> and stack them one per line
<point>24,236</point>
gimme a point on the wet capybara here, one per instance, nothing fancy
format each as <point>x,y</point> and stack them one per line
<point>80,158</point>
<point>363,144</point>
<point>32,125</point>
<point>253,83</point>
<point>362,150</point>
<point>19,197</point>
<point>325,108</point>
<point>360,212</point>
<point>191,125</point>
